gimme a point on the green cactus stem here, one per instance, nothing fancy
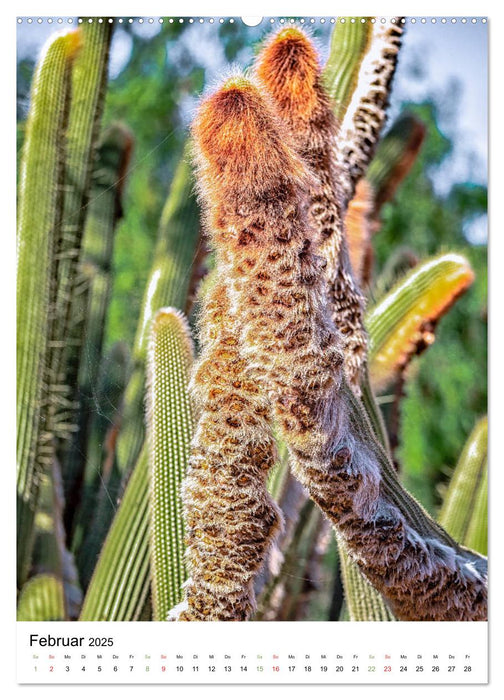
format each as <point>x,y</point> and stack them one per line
<point>477,532</point>
<point>41,599</point>
<point>349,43</point>
<point>364,603</point>
<point>62,128</point>
<point>147,523</point>
<point>169,431</point>
<point>279,475</point>
<point>89,78</point>
<point>464,510</point>
<point>403,321</point>
<point>120,583</point>
<point>39,224</point>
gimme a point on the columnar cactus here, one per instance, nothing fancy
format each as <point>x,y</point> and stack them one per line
<point>39,230</point>
<point>169,431</point>
<point>289,69</point>
<point>63,126</point>
<point>231,520</point>
<point>253,185</point>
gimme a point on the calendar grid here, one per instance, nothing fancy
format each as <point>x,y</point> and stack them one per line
<point>265,653</point>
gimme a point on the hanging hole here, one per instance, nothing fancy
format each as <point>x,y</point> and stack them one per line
<point>251,21</point>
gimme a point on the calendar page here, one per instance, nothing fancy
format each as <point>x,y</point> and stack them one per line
<point>251,350</point>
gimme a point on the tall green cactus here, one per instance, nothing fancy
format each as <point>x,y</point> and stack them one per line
<point>89,78</point>
<point>120,583</point>
<point>67,103</point>
<point>168,285</point>
<point>464,510</point>
<point>39,231</point>
<point>477,532</point>
<point>169,430</point>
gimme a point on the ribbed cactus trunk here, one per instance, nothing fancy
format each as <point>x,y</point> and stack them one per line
<point>40,215</point>
<point>67,102</point>
<point>89,79</point>
<point>120,582</point>
<point>144,546</point>
<point>170,425</point>
<point>465,506</point>
<point>364,603</point>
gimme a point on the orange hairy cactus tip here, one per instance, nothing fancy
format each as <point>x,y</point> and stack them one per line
<point>288,66</point>
<point>237,136</point>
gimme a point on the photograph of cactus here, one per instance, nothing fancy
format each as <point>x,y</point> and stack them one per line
<point>251,320</point>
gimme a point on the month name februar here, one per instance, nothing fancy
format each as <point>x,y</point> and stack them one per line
<point>50,641</point>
